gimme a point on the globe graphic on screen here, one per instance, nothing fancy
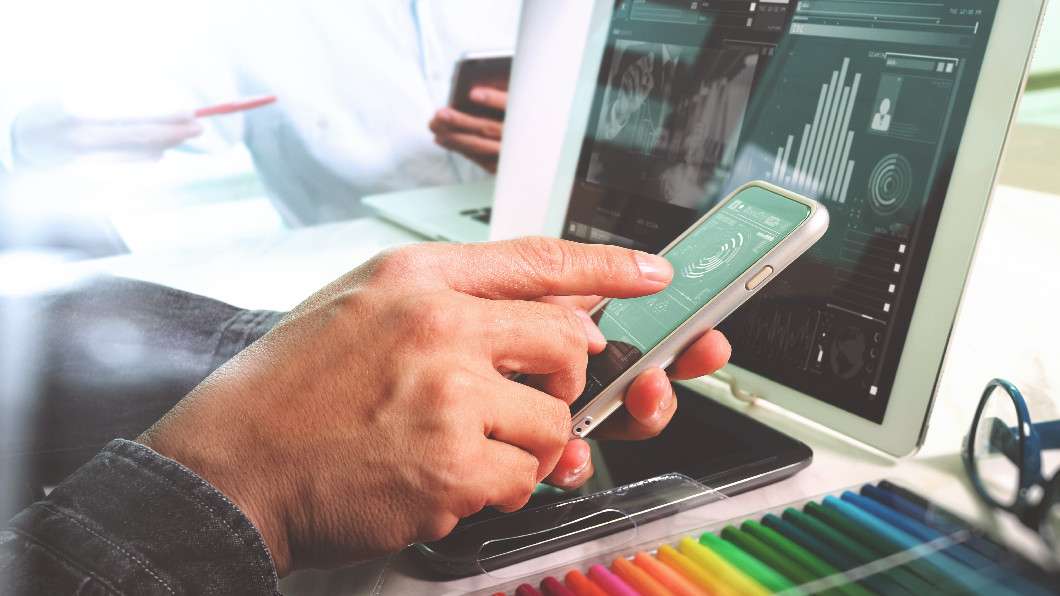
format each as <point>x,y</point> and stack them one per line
<point>847,353</point>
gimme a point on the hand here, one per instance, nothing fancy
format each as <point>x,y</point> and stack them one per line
<point>378,413</point>
<point>650,402</point>
<point>474,137</point>
<point>48,135</point>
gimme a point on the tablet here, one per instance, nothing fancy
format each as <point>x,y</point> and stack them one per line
<point>892,114</point>
<point>706,442</point>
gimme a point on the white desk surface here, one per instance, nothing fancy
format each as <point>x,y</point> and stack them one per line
<point>1007,327</point>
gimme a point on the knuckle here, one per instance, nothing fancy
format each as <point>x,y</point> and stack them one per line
<point>445,475</point>
<point>394,262</point>
<point>544,256</point>
<point>523,482</point>
<point>470,503</point>
<point>530,466</point>
<point>527,491</point>
<point>573,336</point>
<point>447,393</point>
<point>431,319</point>
<point>438,526</point>
<point>348,306</point>
<point>557,416</point>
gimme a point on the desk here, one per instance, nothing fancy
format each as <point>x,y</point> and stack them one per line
<point>1000,332</point>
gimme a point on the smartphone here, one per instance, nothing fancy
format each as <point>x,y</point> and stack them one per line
<point>722,260</point>
<point>487,69</point>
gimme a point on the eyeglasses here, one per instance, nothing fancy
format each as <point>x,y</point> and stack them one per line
<point>1003,458</point>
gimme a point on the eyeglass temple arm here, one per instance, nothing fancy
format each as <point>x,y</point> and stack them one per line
<point>1048,434</point>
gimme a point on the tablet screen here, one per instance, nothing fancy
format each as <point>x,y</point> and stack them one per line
<point>859,104</point>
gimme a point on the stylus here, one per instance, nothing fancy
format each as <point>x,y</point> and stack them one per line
<point>235,106</point>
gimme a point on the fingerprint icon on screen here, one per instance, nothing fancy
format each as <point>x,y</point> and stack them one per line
<point>890,183</point>
<point>707,264</point>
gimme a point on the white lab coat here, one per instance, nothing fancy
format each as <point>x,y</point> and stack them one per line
<point>357,82</point>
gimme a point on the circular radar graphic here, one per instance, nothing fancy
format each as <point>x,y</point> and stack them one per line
<point>890,183</point>
<point>722,256</point>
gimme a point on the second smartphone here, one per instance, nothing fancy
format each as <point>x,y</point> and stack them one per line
<point>719,263</point>
<point>488,69</point>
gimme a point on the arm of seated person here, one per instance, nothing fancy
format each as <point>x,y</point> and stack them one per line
<point>376,414</point>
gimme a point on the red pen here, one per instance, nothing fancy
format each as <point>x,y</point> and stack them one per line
<point>235,106</point>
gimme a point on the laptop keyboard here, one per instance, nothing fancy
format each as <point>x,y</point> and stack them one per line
<point>480,214</point>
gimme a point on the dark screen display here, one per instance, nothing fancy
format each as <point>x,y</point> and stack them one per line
<point>858,104</point>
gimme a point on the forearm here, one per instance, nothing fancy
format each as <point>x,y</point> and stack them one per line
<point>131,521</point>
<point>108,358</point>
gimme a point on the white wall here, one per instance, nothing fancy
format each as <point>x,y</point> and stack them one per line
<point>1047,56</point>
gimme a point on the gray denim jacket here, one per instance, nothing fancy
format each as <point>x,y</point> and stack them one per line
<point>133,522</point>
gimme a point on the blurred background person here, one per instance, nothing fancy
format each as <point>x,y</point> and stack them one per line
<point>356,82</point>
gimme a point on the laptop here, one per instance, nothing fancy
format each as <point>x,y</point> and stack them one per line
<point>453,213</point>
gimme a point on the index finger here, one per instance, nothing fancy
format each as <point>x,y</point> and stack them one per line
<point>449,120</point>
<point>528,268</point>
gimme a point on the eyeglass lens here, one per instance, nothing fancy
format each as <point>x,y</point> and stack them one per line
<point>996,449</point>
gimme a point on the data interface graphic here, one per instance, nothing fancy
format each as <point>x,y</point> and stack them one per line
<point>860,104</point>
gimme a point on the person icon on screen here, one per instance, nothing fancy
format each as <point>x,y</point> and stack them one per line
<point>881,120</point>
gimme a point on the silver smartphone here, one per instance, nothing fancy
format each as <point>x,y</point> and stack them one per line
<point>719,262</point>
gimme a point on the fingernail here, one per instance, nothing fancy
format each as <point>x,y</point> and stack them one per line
<point>478,94</point>
<point>574,474</point>
<point>654,268</point>
<point>663,405</point>
<point>445,114</point>
<point>592,332</point>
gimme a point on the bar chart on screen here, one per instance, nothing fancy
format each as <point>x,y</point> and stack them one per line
<point>821,167</point>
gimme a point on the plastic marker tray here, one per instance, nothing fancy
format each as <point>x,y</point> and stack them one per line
<point>877,538</point>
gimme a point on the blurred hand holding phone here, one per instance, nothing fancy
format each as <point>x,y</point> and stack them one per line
<point>473,121</point>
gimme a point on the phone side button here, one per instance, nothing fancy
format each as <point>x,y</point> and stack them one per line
<point>759,277</point>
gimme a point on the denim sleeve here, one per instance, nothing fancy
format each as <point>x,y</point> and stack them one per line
<point>106,359</point>
<point>131,521</point>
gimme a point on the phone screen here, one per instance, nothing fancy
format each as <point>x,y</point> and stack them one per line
<point>705,262</point>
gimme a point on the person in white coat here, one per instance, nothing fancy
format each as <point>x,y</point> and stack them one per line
<point>356,82</point>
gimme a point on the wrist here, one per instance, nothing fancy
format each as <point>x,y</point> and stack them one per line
<point>227,472</point>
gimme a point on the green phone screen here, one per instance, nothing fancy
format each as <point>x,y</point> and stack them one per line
<point>705,262</point>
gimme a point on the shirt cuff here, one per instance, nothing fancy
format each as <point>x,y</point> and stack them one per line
<point>144,523</point>
<point>243,329</point>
